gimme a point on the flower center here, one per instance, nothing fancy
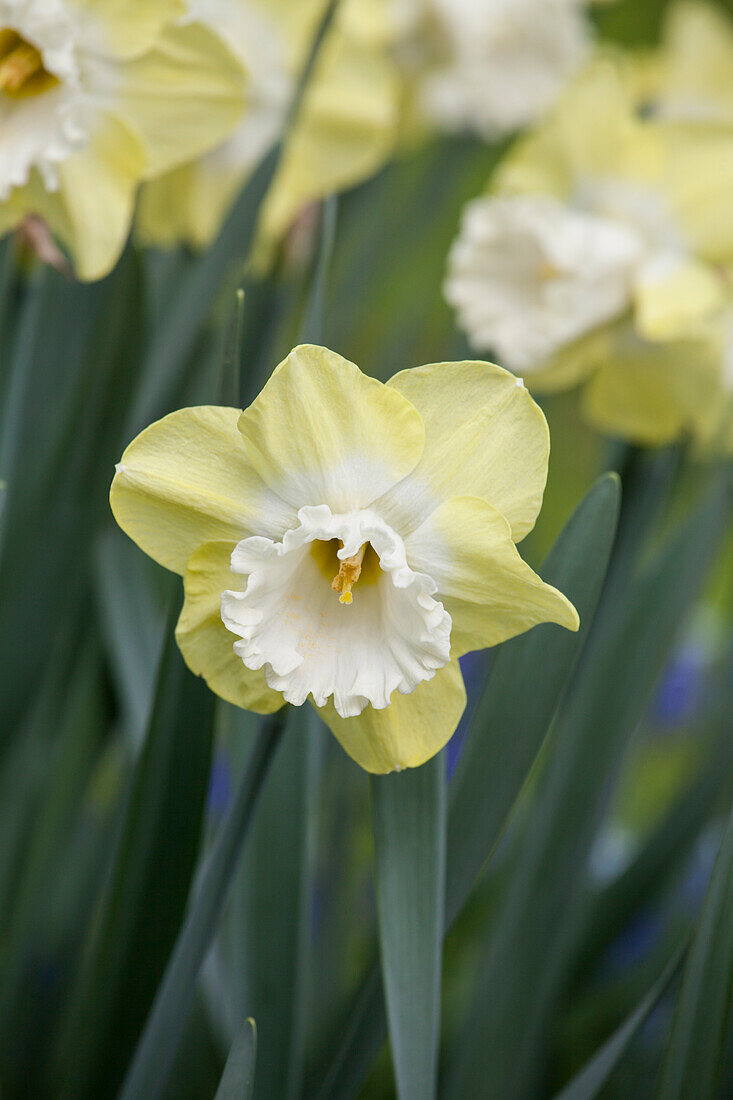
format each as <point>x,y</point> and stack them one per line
<point>391,638</point>
<point>348,574</point>
<point>22,72</point>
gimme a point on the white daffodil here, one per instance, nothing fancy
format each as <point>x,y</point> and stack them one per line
<point>345,541</point>
<point>492,66</point>
<point>95,97</point>
<point>586,223</point>
<point>529,275</point>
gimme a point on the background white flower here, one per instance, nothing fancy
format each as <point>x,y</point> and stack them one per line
<point>499,64</point>
<point>530,274</point>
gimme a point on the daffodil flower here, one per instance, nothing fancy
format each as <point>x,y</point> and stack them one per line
<point>594,260</point>
<point>346,541</point>
<point>489,67</point>
<point>96,96</point>
<point>344,132</point>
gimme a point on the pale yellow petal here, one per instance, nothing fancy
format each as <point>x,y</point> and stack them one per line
<point>182,97</point>
<point>411,730</point>
<point>91,209</point>
<point>593,133</point>
<point>490,593</point>
<point>346,129</point>
<point>97,193</point>
<point>186,480</point>
<point>571,365</point>
<point>700,176</point>
<point>654,394</point>
<point>321,432</point>
<point>698,51</point>
<point>122,28</point>
<point>206,644</point>
<point>668,302</point>
<point>188,204</point>
<point>484,436</point>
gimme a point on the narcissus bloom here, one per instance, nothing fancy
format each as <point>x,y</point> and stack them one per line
<point>345,131</point>
<point>489,66</point>
<point>95,97</point>
<point>346,541</point>
<point>595,258</point>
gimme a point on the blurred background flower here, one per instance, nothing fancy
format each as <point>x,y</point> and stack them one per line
<point>96,98</point>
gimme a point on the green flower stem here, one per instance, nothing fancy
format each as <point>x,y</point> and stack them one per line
<point>156,1051</point>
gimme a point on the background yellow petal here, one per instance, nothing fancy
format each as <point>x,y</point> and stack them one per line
<point>698,54</point>
<point>484,436</point>
<point>573,364</point>
<point>122,28</point>
<point>206,644</point>
<point>648,393</point>
<point>489,591</point>
<point>346,130</point>
<point>321,432</point>
<point>593,133</point>
<point>92,208</point>
<point>700,174</point>
<point>407,732</point>
<point>669,301</point>
<point>188,204</point>
<point>182,97</point>
<point>185,480</point>
<point>97,187</point>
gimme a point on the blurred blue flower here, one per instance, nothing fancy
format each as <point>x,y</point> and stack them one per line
<point>632,945</point>
<point>474,667</point>
<point>680,692</point>
<point>220,786</point>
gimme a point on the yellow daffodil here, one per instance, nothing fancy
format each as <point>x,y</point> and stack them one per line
<point>344,133</point>
<point>346,541</point>
<point>591,260</point>
<point>96,96</point>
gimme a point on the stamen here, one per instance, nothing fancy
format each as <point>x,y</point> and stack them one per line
<point>23,63</point>
<point>547,271</point>
<point>21,66</point>
<point>348,574</point>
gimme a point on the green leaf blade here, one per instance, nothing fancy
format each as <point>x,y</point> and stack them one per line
<point>538,928</point>
<point>149,884</point>
<point>158,1046</point>
<point>496,762</point>
<point>589,1081</point>
<point>408,819</point>
<point>237,1081</point>
<point>696,1044</point>
<point>577,565</point>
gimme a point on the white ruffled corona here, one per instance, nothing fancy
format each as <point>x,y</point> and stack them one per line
<point>44,112</point>
<point>298,619</point>
<point>528,275</point>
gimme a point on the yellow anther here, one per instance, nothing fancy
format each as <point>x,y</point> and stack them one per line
<point>547,270</point>
<point>348,574</point>
<point>21,66</point>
